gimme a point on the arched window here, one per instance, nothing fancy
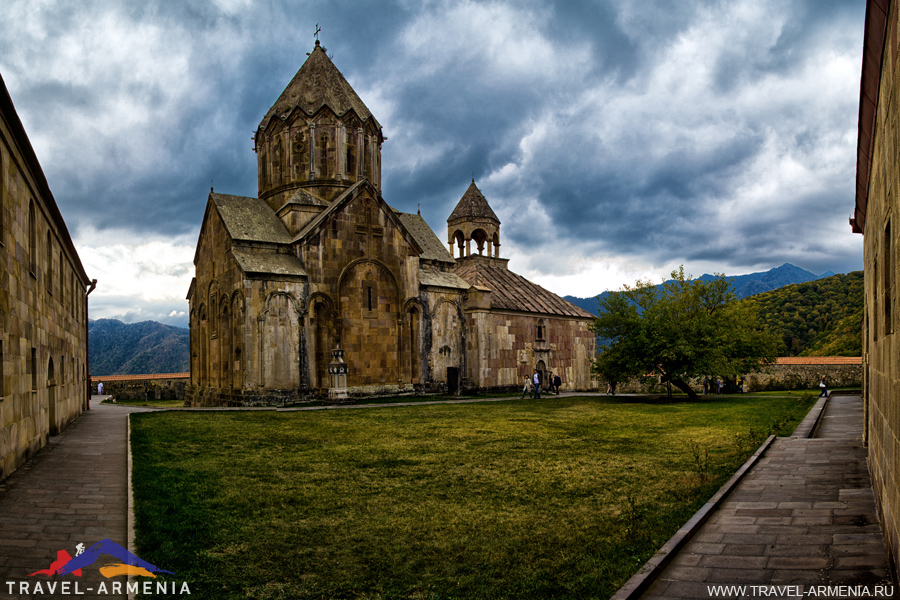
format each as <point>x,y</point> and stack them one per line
<point>541,330</point>
<point>49,251</point>
<point>32,239</point>
<point>2,199</point>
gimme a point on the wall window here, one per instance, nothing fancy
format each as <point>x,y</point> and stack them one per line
<point>2,199</point>
<point>49,251</point>
<point>2,378</point>
<point>887,279</point>
<point>541,329</point>
<point>34,369</point>
<point>32,239</point>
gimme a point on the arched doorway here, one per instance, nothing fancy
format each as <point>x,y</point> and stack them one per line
<point>541,369</point>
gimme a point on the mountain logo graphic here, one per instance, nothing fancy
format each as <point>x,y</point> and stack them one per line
<point>128,563</point>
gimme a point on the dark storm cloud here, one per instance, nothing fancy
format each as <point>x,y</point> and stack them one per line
<point>657,132</point>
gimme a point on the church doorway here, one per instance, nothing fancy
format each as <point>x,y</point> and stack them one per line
<point>452,381</point>
<point>541,369</point>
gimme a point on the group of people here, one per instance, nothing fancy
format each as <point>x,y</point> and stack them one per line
<point>533,384</point>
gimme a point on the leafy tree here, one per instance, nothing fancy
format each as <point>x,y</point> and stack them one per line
<point>682,329</point>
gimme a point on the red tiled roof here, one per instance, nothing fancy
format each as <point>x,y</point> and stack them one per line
<point>819,360</point>
<point>138,377</point>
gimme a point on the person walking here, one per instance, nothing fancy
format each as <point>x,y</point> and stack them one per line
<point>536,379</point>
<point>823,387</point>
<point>527,383</point>
<point>550,383</point>
<point>557,382</point>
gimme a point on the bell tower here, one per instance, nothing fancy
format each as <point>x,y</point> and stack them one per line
<point>473,221</point>
<point>318,138</point>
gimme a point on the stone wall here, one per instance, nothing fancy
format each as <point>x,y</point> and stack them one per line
<point>43,304</point>
<point>789,373</point>
<point>796,375</point>
<point>878,187</point>
<point>170,386</point>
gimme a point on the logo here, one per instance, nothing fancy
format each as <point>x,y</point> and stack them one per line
<point>115,561</point>
<point>129,563</point>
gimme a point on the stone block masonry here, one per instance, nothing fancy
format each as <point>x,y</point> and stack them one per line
<point>167,386</point>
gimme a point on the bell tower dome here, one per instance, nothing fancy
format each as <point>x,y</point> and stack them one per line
<point>318,137</point>
<point>473,220</point>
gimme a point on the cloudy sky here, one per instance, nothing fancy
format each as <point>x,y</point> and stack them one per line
<point>615,139</point>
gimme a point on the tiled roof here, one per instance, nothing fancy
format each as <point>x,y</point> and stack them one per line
<point>432,248</point>
<point>318,83</point>
<point>514,292</point>
<point>472,205</point>
<point>443,279</point>
<point>819,360</point>
<point>250,219</point>
<point>274,263</point>
<point>139,377</point>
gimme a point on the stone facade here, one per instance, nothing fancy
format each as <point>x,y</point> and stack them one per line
<point>43,304</point>
<point>877,190</point>
<point>319,261</point>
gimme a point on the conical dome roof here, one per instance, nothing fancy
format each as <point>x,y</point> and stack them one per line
<point>472,205</point>
<point>318,83</point>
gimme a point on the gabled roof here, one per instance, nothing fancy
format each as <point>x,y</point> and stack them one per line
<point>348,195</point>
<point>432,248</point>
<point>318,83</point>
<point>473,205</point>
<point>514,292</point>
<point>250,219</point>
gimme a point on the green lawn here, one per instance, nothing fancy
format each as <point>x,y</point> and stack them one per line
<point>554,498</point>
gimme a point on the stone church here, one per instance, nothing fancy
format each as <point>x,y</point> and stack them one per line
<point>317,287</point>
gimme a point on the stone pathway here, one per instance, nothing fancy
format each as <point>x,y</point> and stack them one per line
<point>803,516</point>
<point>74,490</point>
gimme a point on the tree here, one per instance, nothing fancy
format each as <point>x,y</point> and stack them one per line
<point>679,330</point>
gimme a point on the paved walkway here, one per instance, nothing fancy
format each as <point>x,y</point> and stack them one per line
<point>72,491</point>
<point>803,516</point>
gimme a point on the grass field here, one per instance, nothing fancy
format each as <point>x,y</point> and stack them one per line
<point>554,498</point>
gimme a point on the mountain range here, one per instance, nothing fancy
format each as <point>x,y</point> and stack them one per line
<point>118,348</point>
<point>743,286</point>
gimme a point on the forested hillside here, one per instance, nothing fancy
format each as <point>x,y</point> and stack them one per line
<point>118,348</point>
<point>818,318</point>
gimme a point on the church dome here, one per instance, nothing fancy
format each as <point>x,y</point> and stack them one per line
<point>318,84</point>
<point>319,136</point>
